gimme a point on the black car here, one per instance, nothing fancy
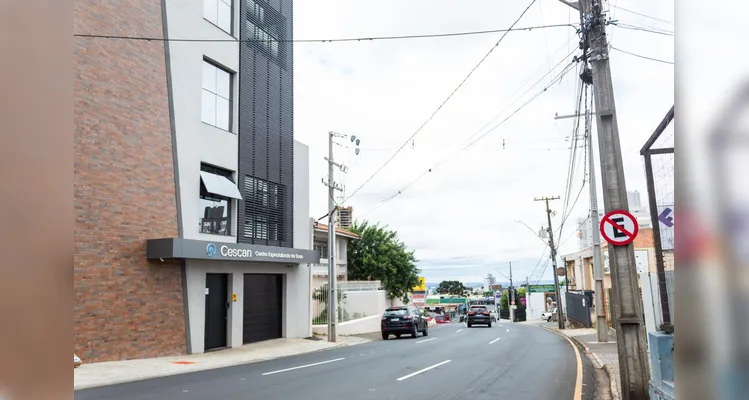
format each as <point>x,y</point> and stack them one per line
<point>479,315</point>
<point>403,320</point>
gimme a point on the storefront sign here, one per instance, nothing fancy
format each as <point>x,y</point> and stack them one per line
<point>541,288</point>
<point>176,248</point>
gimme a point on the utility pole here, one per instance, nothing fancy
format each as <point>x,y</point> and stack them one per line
<point>332,267</point>
<point>601,326</point>
<point>560,309</point>
<point>332,270</point>
<point>627,304</point>
<point>510,273</point>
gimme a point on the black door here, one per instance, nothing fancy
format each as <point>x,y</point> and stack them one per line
<point>263,307</point>
<point>216,306</point>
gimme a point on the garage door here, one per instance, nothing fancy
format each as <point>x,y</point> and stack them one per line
<point>263,307</point>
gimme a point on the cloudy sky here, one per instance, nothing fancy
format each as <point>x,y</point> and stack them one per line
<point>460,218</point>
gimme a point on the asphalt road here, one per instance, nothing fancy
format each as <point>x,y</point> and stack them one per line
<point>507,361</point>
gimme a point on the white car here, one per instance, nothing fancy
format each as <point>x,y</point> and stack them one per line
<point>547,315</point>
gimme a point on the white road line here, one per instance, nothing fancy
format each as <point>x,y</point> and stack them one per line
<point>302,366</point>
<point>493,341</point>
<point>423,370</point>
<point>426,340</point>
<point>508,329</point>
<point>459,330</point>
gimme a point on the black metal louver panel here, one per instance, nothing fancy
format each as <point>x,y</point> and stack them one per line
<point>266,123</point>
<point>264,221</point>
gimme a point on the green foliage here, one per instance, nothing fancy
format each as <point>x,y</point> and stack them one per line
<point>455,288</point>
<point>504,302</point>
<point>489,293</point>
<point>380,255</point>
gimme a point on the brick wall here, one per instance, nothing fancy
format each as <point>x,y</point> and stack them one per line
<point>125,307</point>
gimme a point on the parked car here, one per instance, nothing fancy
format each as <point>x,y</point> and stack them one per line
<point>479,315</point>
<point>549,315</point>
<point>403,320</point>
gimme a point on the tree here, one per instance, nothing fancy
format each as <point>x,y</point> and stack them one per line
<point>380,255</point>
<point>488,294</point>
<point>455,288</point>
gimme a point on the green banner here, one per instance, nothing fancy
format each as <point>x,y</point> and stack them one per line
<point>447,300</point>
<point>541,288</point>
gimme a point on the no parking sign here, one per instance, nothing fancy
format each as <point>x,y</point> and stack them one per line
<point>619,227</point>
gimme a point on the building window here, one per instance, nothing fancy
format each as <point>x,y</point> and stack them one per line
<point>216,100</point>
<point>263,211</point>
<point>341,251</point>
<point>218,12</point>
<point>217,190</point>
<point>322,248</point>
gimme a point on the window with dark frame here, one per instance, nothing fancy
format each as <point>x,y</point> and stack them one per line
<point>263,202</point>
<point>215,211</point>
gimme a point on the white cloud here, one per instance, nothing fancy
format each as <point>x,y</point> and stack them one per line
<point>382,91</point>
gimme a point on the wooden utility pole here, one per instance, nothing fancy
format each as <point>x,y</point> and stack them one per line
<point>633,364</point>
<point>560,309</point>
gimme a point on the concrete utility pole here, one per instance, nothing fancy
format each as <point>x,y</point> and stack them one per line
<point>560,309</point>
<point>332,270</point>
<point>601,326</point>
<point>627,305</point>
<point>332,267</point>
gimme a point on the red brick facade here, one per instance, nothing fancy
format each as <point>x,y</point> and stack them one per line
<point>125,307</point>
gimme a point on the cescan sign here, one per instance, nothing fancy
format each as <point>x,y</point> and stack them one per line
<point>178,248</point>
<point>230,252</point>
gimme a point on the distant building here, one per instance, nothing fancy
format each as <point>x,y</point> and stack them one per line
<point>489,281</point>
<point>633,198</point>
<point>345,217</point>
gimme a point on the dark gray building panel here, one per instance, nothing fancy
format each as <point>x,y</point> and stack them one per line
<point>266,123</point>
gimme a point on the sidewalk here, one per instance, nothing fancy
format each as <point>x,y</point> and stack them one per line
<point>604,355</point>
<point>114,372</point>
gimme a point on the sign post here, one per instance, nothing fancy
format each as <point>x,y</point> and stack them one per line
<point>619,228</point>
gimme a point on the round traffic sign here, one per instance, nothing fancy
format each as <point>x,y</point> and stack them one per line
<point>512,303</point>
<point>619,227</point>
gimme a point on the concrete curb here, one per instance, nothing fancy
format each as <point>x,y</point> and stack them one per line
<point>613,386</point>
<point>227,365</point>
<point>615,394</point>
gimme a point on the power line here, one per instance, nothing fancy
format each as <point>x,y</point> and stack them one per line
<point>640,14</point>
<point>644,57</point>
<point>440,106</point>
<point>392,196</point>
<point>337,40</point>
<point>585,165</point>
<point>641,28</point>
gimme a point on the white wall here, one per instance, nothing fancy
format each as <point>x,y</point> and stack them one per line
<point>536,304</point>
<point>196,141</point>
<point>358,326</point>
<point>365,303</point>
<point>295,303</point>
<point>302,235</point>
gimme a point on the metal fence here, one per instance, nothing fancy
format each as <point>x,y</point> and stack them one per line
<point>658,154</point>
<point>578,308</point>
<point>356,299</point>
